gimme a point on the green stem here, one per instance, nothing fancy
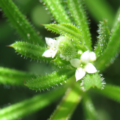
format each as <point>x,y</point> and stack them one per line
<point>68,104</point>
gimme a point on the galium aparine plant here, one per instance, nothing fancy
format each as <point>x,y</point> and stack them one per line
<point>77,65</point>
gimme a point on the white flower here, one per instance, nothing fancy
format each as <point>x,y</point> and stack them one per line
<point>88,57</point>
<point>53,47</point>
<point>83,64</point>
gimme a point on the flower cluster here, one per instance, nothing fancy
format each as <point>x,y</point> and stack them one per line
<point>83,65</point>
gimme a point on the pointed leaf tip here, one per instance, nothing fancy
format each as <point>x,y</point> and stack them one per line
<point>9,45</point>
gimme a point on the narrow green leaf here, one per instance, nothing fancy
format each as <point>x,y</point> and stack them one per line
<point>29,106</point>
<point>68,104</point>
<point>14,77</point>
<point>100,9</point>
<point>35,52</point>
<point>92,80</point>
<point>79,16</point>
<point>19,21</point>
<point>57,11</point>
<point>49,81</point>
<point>29,50</point>
<point>112,49</point>
<point>103,38</point>
<point>111,91</point>
<point>89,109</point>
<point>66,30</point>
<point>70,31</point>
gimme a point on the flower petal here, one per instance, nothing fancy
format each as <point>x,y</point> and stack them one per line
<point>79,74</point>
<point>92,56</point>
<point>75,62</point>
<point>90,68</point>
<point>48,53</point>
<point>54,53</point>
<point>85,57</point>
<point>50,42</point>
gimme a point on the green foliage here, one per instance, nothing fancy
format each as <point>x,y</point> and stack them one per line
<point>79,16</point>
<point>29,50</point>
<point>49,81</point>
<point>103,38</point>
<point>68,30</point>
<point>74,40</point>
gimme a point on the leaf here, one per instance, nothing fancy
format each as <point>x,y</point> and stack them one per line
<point>49,81</point>
<point>92,80</point>
<point>14,77</point>
<point>29,50</point>
<point>29,106</point>
<point>35,52</point>
<point>112,49</point>
<point>69,30</point>
<point>103,38</point>
<point>57,10</point>
<point>19,21</point>
<point>65,29</point>
<point>79,16</point>
<point>68,104</point>
<point>111,91</point>
<point>89,109</point>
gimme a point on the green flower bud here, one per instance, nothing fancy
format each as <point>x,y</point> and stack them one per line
<point>66,49</point>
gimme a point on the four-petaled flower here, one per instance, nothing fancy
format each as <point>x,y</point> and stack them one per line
<point>84,64</point>
<point>53,47</point>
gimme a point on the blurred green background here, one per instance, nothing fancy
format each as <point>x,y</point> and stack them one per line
<point>35,12</point>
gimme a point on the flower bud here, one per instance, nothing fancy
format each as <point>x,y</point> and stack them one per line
<point>66,49</point>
